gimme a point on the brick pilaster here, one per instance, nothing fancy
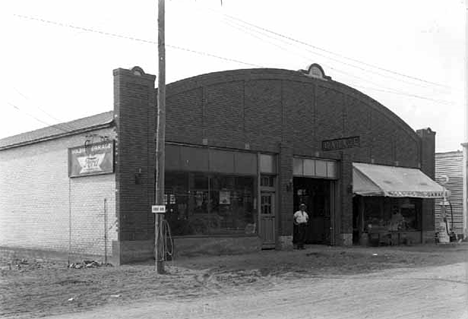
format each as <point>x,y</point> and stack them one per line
<point>134,111</point>
<point>427,160</point>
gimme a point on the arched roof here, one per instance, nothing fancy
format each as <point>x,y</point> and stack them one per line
<point>285,75</point>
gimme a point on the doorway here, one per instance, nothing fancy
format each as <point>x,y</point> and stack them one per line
<point>267,215</point>
<point>267,220</point>
<point>318,195</point>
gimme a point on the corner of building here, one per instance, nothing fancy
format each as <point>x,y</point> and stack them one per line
<point>135,121</point>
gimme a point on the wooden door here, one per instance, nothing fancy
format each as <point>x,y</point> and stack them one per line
<point>267,227</point>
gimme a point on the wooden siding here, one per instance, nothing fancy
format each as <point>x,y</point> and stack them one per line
<point>451,164</point>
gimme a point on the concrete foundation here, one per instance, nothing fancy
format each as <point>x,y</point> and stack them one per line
<point>285,243</point>
<point>346,239</point>
<point>195,246</point>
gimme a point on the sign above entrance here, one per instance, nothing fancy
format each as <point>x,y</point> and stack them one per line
<point>341,143</point>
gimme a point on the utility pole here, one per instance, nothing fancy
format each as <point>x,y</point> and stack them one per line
<point>465,142</point>
<point>160,141</point>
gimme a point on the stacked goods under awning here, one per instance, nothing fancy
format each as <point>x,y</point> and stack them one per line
<point>388,203</point>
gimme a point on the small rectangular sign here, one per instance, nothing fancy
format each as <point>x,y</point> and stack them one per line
<point>158,209</point>
<point>341,143</point>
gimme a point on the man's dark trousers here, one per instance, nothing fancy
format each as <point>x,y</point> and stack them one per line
<point>301,235</point>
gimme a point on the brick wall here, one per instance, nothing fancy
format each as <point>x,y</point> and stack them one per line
<point>427,155</point>
<point>40,202</point>
<point>427,151</point>
<point>264,107</point>
<point>278,111</point>
<point>286,204</point>
<point>135,114</point>
<point>345,218</point>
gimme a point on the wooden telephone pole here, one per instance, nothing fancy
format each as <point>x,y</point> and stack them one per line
<point>465,141</point>
<point>160,140</point>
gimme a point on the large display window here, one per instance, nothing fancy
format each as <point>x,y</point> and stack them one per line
<point>210,204</point>
<point>391,214</point>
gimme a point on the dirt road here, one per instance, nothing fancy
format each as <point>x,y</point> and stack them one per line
<point>434,292</point>
<point>320,282</point>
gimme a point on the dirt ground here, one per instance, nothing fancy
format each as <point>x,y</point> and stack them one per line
<point>320,282</point>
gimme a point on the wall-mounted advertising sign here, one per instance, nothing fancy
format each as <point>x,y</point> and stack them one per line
<point>94,159</point>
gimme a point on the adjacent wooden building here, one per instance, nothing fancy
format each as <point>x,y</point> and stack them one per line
<point>449,172</point>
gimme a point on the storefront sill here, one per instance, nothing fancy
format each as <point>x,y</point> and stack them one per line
<point>217,236</point>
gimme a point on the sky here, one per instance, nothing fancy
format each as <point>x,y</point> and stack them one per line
<point>58,56</point>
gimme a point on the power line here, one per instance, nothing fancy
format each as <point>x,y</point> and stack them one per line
<point>235,60</point>
<point>408,94</point>
<point>336,54</point>
<point>213,55</point>
<point>132,39</point>
<point>224,58</point>
<point>66,125</point>
<point>39,120</point>
<point>325,56</point>
<point>242,28</point>
<point>392,91</point>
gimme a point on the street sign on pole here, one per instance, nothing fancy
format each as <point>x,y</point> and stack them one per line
<point>158,209</point>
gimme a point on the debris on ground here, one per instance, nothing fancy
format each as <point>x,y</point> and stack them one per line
<point>21,264</point>
<point>89,264</point>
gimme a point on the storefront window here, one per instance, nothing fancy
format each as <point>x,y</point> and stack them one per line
<point>410,210</point>
<point>392,214</point>
<point>210,204</point>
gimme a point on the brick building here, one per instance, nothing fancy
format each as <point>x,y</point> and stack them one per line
<point>243,149</point>
<point>41,208</point>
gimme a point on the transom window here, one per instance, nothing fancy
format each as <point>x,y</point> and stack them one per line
<point>317,168</point>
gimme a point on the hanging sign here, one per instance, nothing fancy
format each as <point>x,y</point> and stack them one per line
<point>94,159</point>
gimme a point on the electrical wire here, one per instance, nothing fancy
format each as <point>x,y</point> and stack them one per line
<point>293,41</point>
<point>213,56</point>
<point>62,123</point>
<point>242,27</point>
<point>385,89</point>
<point>115,35</point>
<point>57,126</point>
<point>442,102</point>
<point>381,89</point>
<point>333,53</point>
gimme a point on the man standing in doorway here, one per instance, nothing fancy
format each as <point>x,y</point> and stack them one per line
<point>301,218</point>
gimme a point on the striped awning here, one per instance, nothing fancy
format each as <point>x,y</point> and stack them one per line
<point>391,181</point>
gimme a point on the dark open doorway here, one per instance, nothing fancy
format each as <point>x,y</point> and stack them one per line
<point>317,195</point>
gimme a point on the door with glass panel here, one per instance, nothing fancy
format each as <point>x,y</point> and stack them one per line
<point>267,229</point>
